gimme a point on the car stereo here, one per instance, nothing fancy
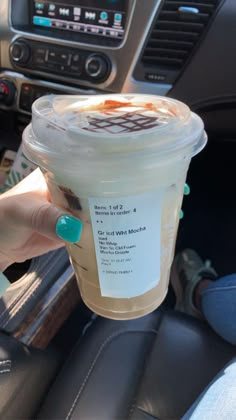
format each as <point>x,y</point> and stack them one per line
<point>76,20</point>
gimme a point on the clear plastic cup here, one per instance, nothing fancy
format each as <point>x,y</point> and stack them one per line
<point>119,163</point>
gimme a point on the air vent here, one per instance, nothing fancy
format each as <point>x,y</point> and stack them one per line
<point>178,28</point>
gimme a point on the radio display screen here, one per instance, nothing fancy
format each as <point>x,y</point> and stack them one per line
<point>105,18</point>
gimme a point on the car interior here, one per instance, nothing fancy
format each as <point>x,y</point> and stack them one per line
<point>58,359</point>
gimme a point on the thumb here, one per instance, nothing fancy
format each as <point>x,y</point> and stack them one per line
<point>52,222</point>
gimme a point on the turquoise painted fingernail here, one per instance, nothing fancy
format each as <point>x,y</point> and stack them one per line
<point>69,228</point>
<point>186,189</point>
<point>181,214</point>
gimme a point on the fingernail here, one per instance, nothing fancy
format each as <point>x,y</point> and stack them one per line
<point>181,214</point>
<point>186,189</point>
<point>69,228</point>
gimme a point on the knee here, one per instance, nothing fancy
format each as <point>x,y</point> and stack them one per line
<point>219,307</point>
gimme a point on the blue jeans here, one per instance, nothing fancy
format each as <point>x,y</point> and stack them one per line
<point>218,401</point>
<point>219,307</point>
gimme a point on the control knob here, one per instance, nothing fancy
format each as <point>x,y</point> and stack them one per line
<point>97,67</point>
<point>20,52</point>
<point>7,92</point>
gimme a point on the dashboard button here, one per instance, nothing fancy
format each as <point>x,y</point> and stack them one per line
<point>75,58</point>
<point>26,97</point>
<point>51,66</point>
<point>59,57</point>
<point>64,58</point>
<point>26,104</point>
<point>57,68</point>
<point>40,52</point>
<point>26,90</point>
<point>76,69</point>
<point>39,60</point>
<point>51,56</point>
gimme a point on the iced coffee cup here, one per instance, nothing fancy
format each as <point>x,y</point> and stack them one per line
<point>118,163</point>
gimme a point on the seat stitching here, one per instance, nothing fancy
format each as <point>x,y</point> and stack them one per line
<point>146,412</point>
<point>103,345</point>
<point>132,407</point>
<point>5,365</point>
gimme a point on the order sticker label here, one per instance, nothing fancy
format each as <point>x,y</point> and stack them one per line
<point>127,236</point>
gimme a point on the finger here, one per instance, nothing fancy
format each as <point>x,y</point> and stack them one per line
<point>36,246</point>
<point>40,245</point>
<point>34,182</point>
<point>51,221</point>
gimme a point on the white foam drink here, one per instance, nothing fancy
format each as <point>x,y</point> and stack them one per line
<point>119,163</point>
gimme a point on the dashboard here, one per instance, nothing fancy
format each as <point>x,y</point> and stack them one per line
<point>184,49</point>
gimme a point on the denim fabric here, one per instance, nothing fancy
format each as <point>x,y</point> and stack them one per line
<point>219,307</point>
<point>218,401</point>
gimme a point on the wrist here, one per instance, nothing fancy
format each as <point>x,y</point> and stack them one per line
<point>4,263</point>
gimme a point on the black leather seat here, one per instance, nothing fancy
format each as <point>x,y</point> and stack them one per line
<point>25,376</point>
<point>149,368</point>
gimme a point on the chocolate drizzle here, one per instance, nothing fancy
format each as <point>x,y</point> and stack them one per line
<point>127,123</point>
